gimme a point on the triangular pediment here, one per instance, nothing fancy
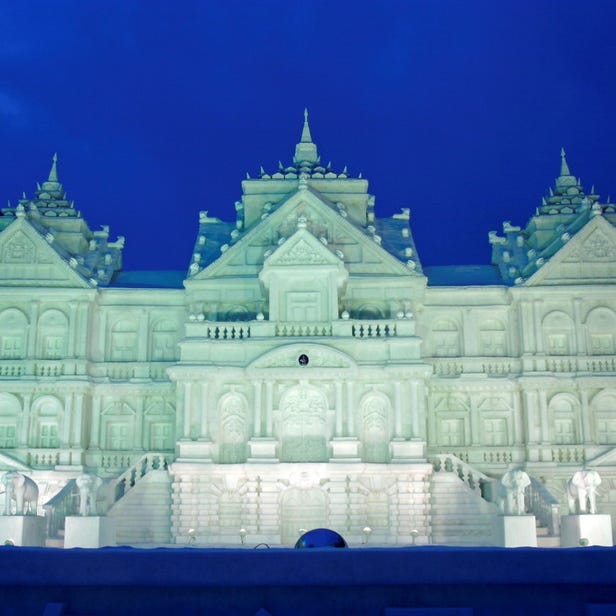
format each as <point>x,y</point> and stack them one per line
<point>28,259</point>
<point>302,248</point>
<point>589,257</point>
<point>327,225</point>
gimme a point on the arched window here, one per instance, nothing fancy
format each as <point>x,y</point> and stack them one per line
<point>164,341</point>
<point>13,334</point>
<point>601,330</point>
<point>558,333</point>
<point>53,334</point>
<point>492,338</point>
<point>446,339</point>
<point>124,341</point>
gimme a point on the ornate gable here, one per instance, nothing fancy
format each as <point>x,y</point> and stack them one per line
<point>587,258</point>
<point>359,250</point>
<point>29,259</point>
<point>302,249</point>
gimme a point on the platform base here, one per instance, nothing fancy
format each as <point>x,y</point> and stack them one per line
<point>23,530</point>
<point>89,532</point>
<point>585,529</point>
<point>516,531</point>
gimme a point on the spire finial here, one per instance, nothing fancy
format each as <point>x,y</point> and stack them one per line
<point>53,173</point>
<point>564,167</point>
<point>306,149</point>
<point>306,136</point>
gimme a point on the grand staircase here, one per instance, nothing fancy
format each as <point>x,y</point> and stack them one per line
<point>460,515</point>
<point>143,507</point>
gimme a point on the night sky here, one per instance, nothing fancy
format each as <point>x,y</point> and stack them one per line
<point>456,109</point>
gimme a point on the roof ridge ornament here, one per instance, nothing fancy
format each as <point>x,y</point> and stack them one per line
<point>306,149</point>
<point>306,136</point>
<point>53,172</point>
<point>564,167</point>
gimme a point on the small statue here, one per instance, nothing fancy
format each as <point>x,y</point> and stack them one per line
<point>582,492</point>
<point>514,483</point>
<point>88,485</point>
<point>23,491</point>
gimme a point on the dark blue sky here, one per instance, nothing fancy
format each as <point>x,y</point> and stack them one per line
<point>456,109</point>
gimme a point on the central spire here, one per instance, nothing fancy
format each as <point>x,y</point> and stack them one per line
<point>306,150</point>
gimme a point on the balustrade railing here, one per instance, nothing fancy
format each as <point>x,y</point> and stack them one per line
<point>131,476</point>
<point>303,329</point>
<point>374,329</point>
<point>449,463</point>
<point>44,458</point>
<point>544,506</point>
<point>63,504</point>
<point>227,331</point>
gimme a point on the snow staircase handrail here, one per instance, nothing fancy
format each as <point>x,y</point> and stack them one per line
<point>544,505</point>
<point>449,463</point>
<point>148,462</point>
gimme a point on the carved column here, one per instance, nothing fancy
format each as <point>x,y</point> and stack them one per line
<point>397,411</point>
<point>24,427</point>
<point>204,430</point>
<point>350,409</point>
<point>187,405</point>
<point>415,409</point>
<point>33,328</point>
<point>143,332</point>
<point>269,402</point>
<point>72,326</point>
<point>339,419</point>
<point>517,437</point>
<point>537,326</point>
<point>96,421</point>
<point>545,426</point>
<point>139,441</point>
<point>587,421</point>
<point>577,325</point>
<point>258,420</point>
<point>77,420</point>
<point>68,420</point>
<point>530,404</point>
<point>475,425</point>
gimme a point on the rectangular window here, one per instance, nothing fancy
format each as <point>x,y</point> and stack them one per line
<point>12,347</point>
<point>161,436</point>
<point>118,436</point>
<point>495,431</point>
<point>452,432</point>
<point>564,433</point>
<point>7,436</point>
<point>48,435</point>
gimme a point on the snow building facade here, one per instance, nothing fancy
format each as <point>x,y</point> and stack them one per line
<point>306,371</point>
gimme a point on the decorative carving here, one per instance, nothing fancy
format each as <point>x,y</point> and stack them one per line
<point>514,484</point>
<point>21,490</point>
<point>582,491</point>
<point>300,254</point>
<point>88,486</point>
<point>19,249</point>
<point>320,357</point>
<point>303,425</point>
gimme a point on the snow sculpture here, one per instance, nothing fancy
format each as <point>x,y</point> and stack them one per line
<point>514,484</point>
<point>23,491</point>
<point>582,491</point>
<point>88,485</point>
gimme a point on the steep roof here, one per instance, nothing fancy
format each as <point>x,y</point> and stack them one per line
<point>519,253</point>
<point>49,213</point>
<point>262,197</point>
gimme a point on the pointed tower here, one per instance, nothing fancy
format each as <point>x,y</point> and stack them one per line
<point>562,213</point>
<point>91,253</point>
<point>306,150</point>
